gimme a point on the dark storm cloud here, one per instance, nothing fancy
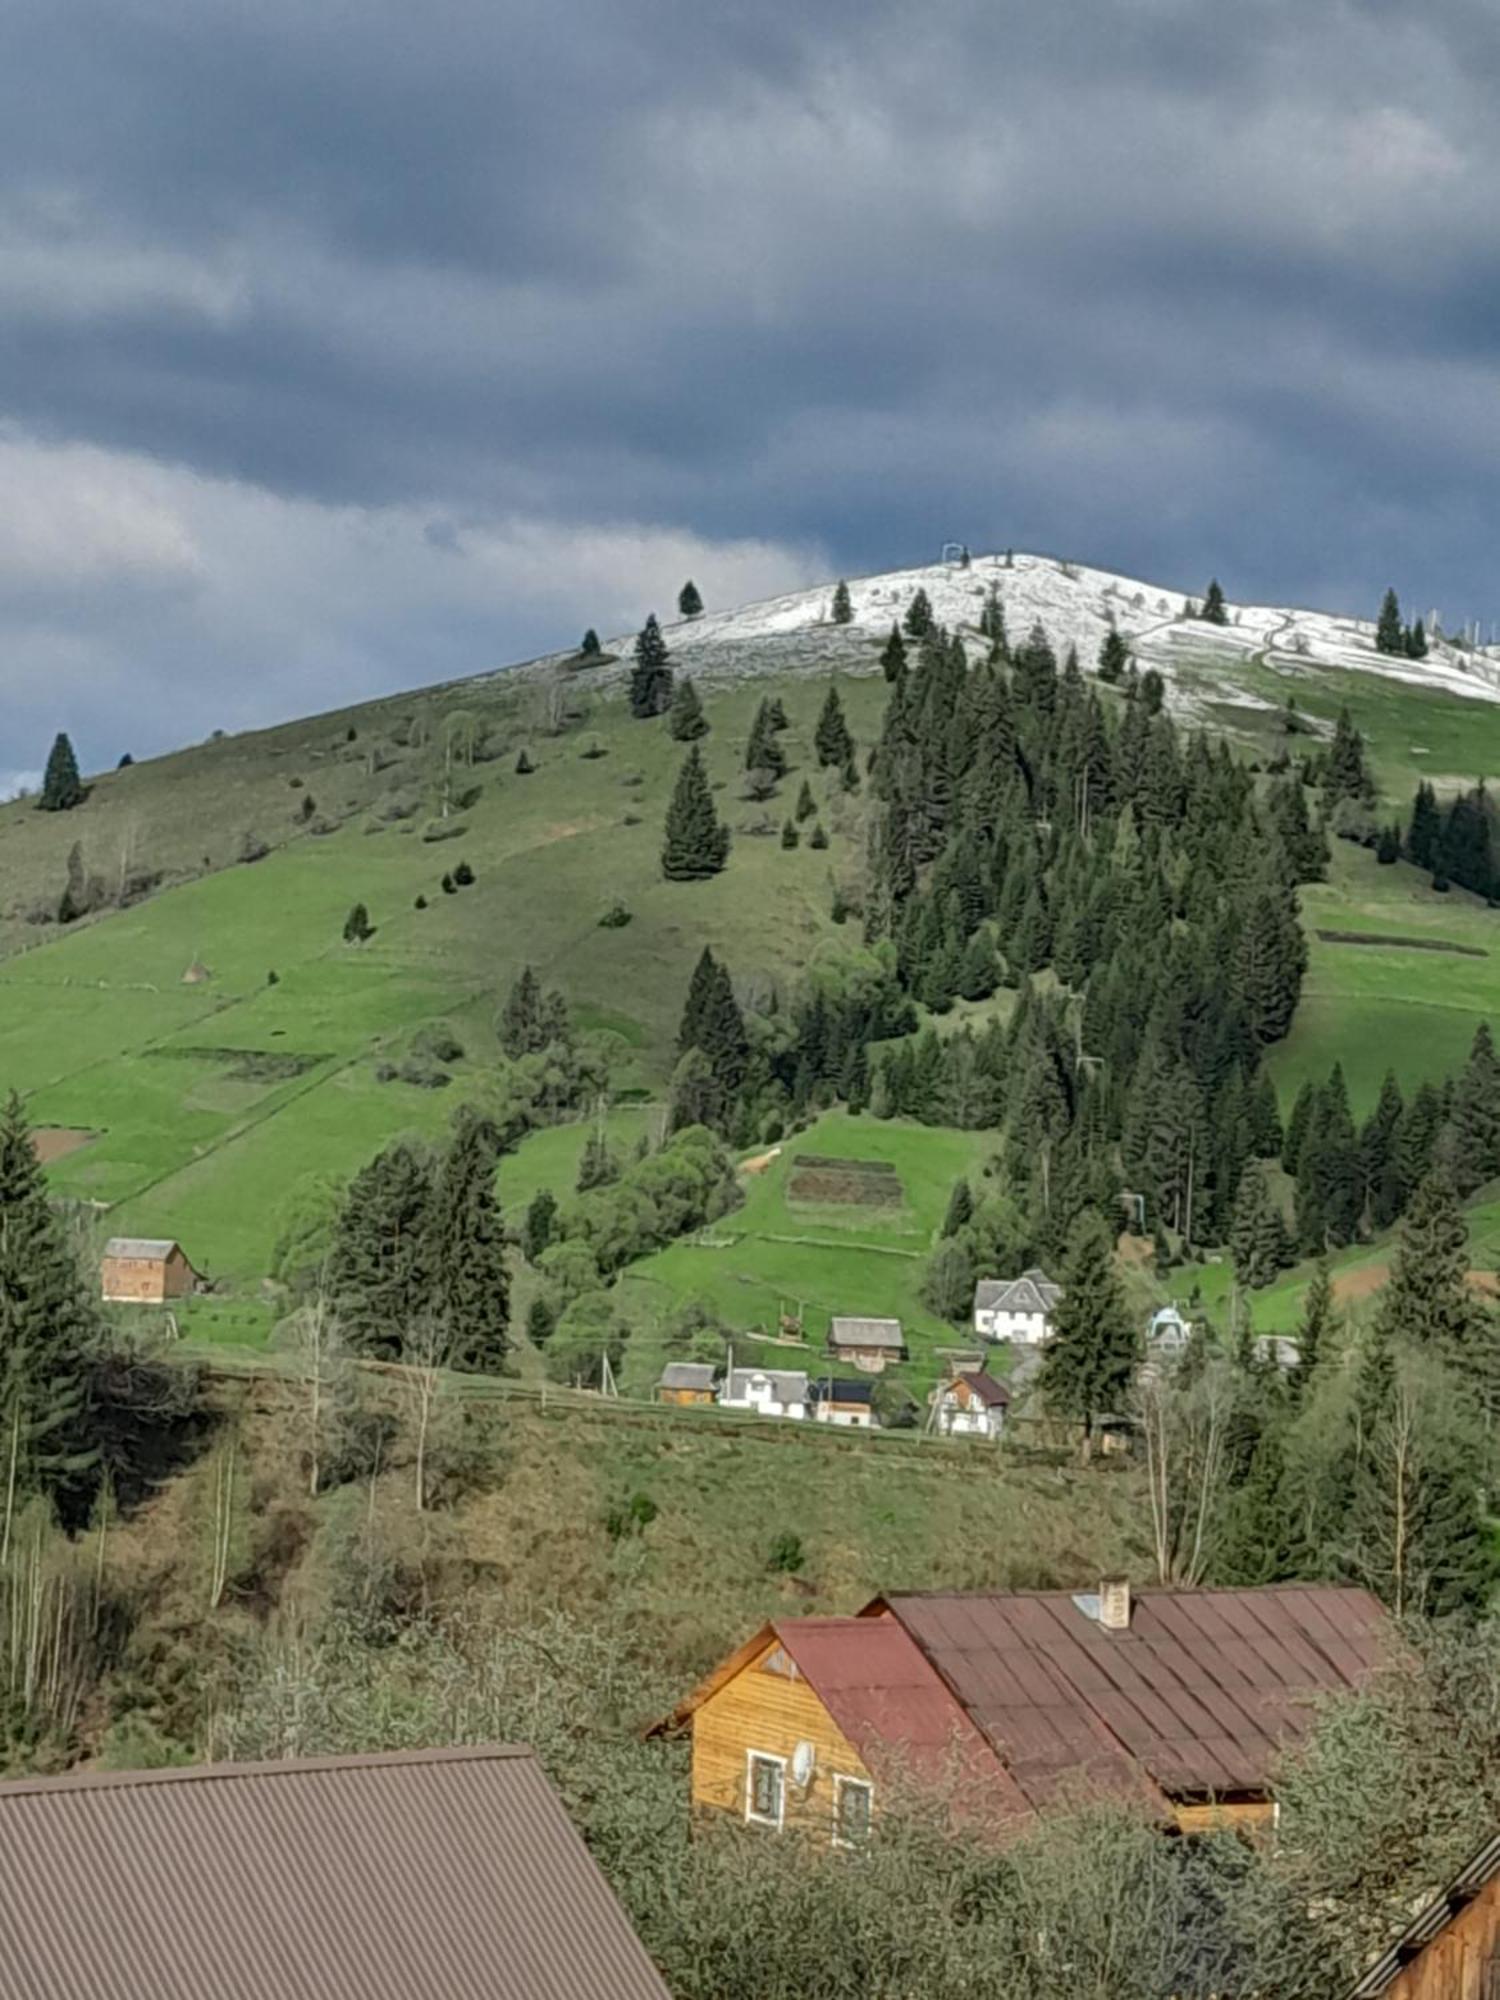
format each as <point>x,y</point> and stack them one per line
<point>1174,284</point>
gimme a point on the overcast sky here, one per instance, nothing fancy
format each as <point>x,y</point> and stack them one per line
<point>349,344</point>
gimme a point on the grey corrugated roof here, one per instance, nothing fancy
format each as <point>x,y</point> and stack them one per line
<point>140,1246</point>
<point>866,1332</point>
<point>687,1375</point>
<point>434,1875</point>
<point>1430,1922</point>
<point>790,1384</point>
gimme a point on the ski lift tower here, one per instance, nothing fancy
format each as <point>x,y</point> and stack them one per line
<point>954,552</point>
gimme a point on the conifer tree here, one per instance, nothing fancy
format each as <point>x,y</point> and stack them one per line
<point>380,1267</point>
<point>685,718</point>
<point>1214,611</point>
<point>1416,641</point>
<point>1317,1330</point>
<point>651,676</point>
<point>62,788</point>
<point>713,1024</point>
<point>831,738</point>
<point>541,1320</point>
<point>776,712</point>
<point>689,602</point>
<point>597,1165</point>
<point>842,612</point>
<point>992,625</point>
<point>1377,1153</point>
<point>807,805</point>
<point>1089,1363</point>
<point>1258,1238</point>
<point>763,751</point>
<point>919,620</point>
<point>357,925</point>
<point>590,646</point>
<point>818,838</point>
<point>1471,1142</point>
<point>1114,657</point>
<point>1346,774</point>
<point>524,765</point>
<point>790,836</point>
<point>49,1328</point>
<point>471,1278</point>
<point>1390,635</point>
<point>1427,1300</point>
<point>960,1209</point>
<point>696,843</point>
<point>979,969</point>
<point>893,656</point>
<point>1426,826</point>
<point>540,1225</point>
<point>522,1025</point>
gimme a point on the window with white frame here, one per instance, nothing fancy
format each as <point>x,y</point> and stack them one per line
<point>765,1789</point>
<point>852,1799</point>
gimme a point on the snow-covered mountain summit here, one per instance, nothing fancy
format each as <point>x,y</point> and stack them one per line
<point>1077,605</point>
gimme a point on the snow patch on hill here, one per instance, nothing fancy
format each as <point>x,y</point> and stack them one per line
<point>1077,605</point>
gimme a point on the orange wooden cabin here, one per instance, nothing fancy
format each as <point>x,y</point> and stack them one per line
<point>145,1271</point>
<point>1451,1950</point>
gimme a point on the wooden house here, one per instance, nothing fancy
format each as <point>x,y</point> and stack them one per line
<point>1178,1701</point>
<point>1451,1949</point>
<point>146,1270</point>
<point>803,1726</point>
<point>687,1382</point>
<point>970,1404</point>
<point>869,1344</point>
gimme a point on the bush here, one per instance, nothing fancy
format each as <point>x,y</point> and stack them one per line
<point>463,875</point>
<point>786,1555</point>
<point>524,765</point>
<point>437,1039</point>
<point>615,918</point>
<point>630,1517</point>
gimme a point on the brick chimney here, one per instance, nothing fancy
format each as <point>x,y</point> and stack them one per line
<point>1114,1603</point>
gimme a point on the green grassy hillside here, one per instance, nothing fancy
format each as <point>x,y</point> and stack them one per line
<point>202,1106</point>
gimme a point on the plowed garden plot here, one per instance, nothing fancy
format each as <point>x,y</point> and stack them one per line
<point>844,1183</point>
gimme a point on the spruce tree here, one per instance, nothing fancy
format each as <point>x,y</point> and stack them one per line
<point>818,838</point>
<point>62,788</point>
<point>831,738</point>
<point>380,1267</point>
<point>790,835</point>
<point>1346,774</point>
<point>651,676</point>
<point>763,751</point>
<point>842,611</point>
<point>696,844</point>
<point>1390,636</point>
<point>521,1025</point>
<point>590,647</point>
<point>49,1328</point>
<point>1416,641</point>
<point>919,620</point>
<point>685,718</point>
<point>1317,1331</point>
<point>1425,829</point>
<point>992,625</point>
<point>1114,657</point>
<point>1089,1364</point>
<point>960,1209</point>
<point>471,1278</point>
<point>689,602</point>
<point>541,1320</point>
<point>1258,1237</point>
<point>1427,1300</point>
<point>806,805</point>
<point>893,656</point>
<point>1214,611</point>
<point>540,1226</point>
<point>524,765</point>
<point>712,1022</point>
<point>1471,1142</point>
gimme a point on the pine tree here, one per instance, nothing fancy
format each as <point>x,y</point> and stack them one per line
<point>893,656</point>
<point>1471,1142</point>
<point>590,647</point>
<point>831,738</point>
<point>807,805</point>
<point>1346,774</point>
<point>689,602</point>
<point>62,788</point>
<point>1416,641</point>
<point>540,1225</point>
<point>1214,612</point>
<point>685,718</point>
<point>960,1209</point>
<point>696,844</point>
<point>763,751</point>
<point>651,676</point>
<point>1425,829</point>
<point>472,1281</point>
<point>712,1022</point>
<point>49,1328</point>
<point>1089,1363</point>
<point>919,620</point>
<point>1390,636</point>
<point>842,611</point>
<point>380,1266</point>
<point>1427,1300</point>
<point>1114,657</point>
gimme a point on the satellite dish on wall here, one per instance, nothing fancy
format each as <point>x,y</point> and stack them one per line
<point>804,1763</point>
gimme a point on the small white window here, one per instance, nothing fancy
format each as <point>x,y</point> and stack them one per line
<point>851,1812</point>
<point>765,1789</point>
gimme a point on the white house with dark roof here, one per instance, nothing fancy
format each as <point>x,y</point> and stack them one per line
<point>850,1405</point>
<point>1016,1309</point>
<point>770,1392</point>
<point>970,1404</point>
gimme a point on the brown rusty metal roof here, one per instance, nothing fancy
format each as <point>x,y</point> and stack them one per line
<point>439,1875</point>
<point>1198,1695</point>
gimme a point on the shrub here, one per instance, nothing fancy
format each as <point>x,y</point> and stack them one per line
<point>463,875</point>
<point>786,1555</point>
<point>524,765</point>
<point>420,903</point>
<point>630,1517</point>
<point>615,918</point>
<point>437,1039</point>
